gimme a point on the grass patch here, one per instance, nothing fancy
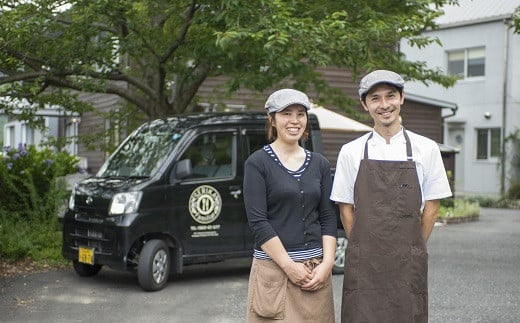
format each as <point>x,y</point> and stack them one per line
<point>26,239</point>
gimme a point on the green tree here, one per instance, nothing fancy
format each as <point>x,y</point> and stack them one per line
<point>516,21</point>
<point>156,54</point>
<point>514,137</point>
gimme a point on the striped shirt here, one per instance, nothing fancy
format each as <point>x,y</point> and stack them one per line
<point>296,173</point>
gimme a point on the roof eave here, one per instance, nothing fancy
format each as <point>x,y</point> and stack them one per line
<point>431,101</point>
<point>473,22</point>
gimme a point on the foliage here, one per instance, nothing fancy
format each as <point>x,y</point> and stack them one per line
<point>448,202</point>
<point>501,202</point>
<point>460,208</point>
<point>516,21</point>
<point>29,239</point>
<point>156,54</point>
<point>514,177</point>
<point>30,180</point>
<point>513,192</point>
<point>484,201</point>
<point>32,190</point>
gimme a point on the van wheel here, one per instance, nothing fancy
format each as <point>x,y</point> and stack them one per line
<point>154,265</point>
<point>339,259</point>
<point>85,270</point>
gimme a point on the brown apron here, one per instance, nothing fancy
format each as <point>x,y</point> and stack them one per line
<point>272,297</point>
<point>386,259</point>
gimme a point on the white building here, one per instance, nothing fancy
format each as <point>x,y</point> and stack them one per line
<point>56,125</point>
<point>479,46</point>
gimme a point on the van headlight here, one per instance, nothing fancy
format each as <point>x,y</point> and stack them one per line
<point>71,201</point>
<point>124,203</point>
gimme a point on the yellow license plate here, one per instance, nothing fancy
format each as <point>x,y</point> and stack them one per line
<point>86,255</point>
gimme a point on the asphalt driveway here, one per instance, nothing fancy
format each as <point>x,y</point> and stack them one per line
<point>474,277</point>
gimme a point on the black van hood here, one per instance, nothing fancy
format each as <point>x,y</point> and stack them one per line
<point>106,187</point>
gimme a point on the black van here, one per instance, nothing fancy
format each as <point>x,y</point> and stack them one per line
<point>170,196</point>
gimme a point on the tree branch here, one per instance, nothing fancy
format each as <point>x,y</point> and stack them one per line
<point>128,95</point>
<point>183,30</point>
<point>34,63</point>
<point>22,76</point>
<point>185,93</point>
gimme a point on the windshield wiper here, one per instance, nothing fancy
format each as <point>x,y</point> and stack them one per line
<point>124,177</point>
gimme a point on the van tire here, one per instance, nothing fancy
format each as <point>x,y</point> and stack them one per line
<point>153,269</point>
<point>85,270</point>
<point>339,257</point>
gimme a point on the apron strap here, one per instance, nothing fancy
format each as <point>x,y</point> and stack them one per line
<point>409,156</point>
<point>366,145</point>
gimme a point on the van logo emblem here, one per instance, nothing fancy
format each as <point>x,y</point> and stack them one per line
<point>205,204</point>
<point>89,200</point>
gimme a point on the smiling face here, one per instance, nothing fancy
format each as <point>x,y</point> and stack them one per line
<point>383,103</point>
<point>290,123</point>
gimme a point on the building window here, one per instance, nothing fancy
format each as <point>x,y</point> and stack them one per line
<point>27,134</point>
<point>9,140</point>
<point>71,135</point>
<point>467,63</point>
<point>488,143</point>
<point>3,120</point>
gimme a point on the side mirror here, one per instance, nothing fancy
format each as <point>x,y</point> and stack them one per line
<point>182,170</point>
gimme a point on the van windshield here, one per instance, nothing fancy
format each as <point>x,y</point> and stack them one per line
<point>143,152</point>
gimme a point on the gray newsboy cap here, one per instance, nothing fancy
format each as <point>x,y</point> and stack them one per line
<point>378,77</point>
<point>283,98</point>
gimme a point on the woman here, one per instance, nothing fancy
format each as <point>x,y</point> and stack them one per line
<point>286,193</point>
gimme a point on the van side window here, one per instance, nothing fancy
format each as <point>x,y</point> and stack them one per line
<point>211,155</point>
<point>255,141</point>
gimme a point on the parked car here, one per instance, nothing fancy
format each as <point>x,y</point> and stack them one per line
<point>170,196</point>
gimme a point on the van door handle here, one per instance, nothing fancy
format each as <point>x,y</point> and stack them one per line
<point>235,191</point>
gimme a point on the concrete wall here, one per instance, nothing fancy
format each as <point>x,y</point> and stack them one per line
<point>475,97</point>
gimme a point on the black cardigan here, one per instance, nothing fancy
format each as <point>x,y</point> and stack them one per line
<point>298,211</point>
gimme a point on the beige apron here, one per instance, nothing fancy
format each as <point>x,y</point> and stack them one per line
<point>386,259</point>
<point>272,297</point>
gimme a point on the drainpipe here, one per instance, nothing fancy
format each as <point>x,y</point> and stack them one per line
<point>504,104</point>
<point>443,123</point>
<point>453,112</point>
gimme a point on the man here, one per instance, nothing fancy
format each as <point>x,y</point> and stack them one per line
<point>388,184</point>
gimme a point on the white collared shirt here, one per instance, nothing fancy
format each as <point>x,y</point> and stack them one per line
<point>426,154</point>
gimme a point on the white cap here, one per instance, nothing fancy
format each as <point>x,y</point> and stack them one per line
<point>378,77</point>
<point>283,98</point>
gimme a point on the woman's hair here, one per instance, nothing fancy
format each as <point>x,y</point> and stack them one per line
<point>270,129</point>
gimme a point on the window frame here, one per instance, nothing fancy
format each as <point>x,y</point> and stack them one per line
<point>202,137</point>
<point>466,52</point>
<point>492,147</point>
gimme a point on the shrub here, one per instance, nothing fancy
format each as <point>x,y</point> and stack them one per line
<point>32,190</point>
<point>504,202</point>
<point>484,201</point>
<point>513,193</point>
<point>29,239</point>
<point>460,208</point>
<point>30,180</point>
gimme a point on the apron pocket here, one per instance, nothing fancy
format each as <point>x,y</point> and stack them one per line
<point>418,270</point>
<point>269,292</point>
